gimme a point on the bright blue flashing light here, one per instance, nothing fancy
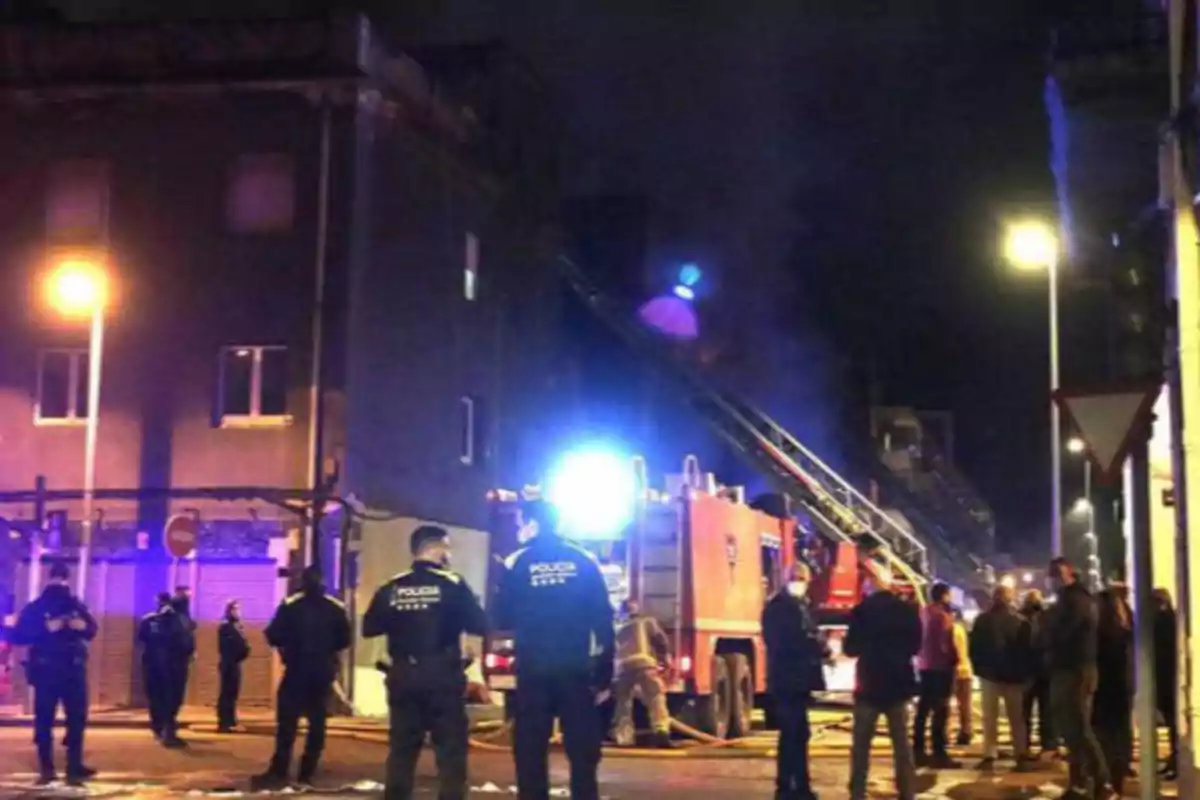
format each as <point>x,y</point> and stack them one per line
<point>689,274</point>
<point>685,292</point>
<point>594,492</point>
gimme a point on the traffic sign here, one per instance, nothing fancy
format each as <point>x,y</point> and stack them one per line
<point>1108,422</point>
<point>180,535</point>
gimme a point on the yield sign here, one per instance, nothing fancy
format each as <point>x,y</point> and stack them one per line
<point>1108,422</point>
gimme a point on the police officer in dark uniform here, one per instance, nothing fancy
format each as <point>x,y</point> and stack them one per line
<point>166,642</point>
<point>424,613</point>
<point>554,599</point>
<point>310,630</point>
<point>57,628</point>
<point>184,654</point>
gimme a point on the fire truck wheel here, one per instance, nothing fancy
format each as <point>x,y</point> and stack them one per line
<point>710,713</point>
<point>741,695</point>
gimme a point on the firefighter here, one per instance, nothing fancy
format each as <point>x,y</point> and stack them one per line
<point>424,613</point>
<point>795,652</point>
<point>310,630</point>
<point>643,653</point>
<point>554,599</point>
<point>165,642</point>
<point>57,628</point>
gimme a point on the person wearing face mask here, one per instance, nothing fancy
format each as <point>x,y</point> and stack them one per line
<point>424,614</point>
<point>643,653</point>
<point>795,652</point>
<point>234,649</point>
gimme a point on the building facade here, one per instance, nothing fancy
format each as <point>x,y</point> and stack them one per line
<point>322,269</point>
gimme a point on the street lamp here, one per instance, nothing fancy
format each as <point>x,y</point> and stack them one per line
<point>1084,505</point>
<point>1032,245</point>
<point>77,287</point>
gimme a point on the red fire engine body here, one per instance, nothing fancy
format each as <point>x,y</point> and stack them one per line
<point>703,563</point>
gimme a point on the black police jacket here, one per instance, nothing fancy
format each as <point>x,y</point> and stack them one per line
<point>795,651</point>
<point>423,613</point>
<point>166,638</point>
<point>309,630</point>
<point>231,643</point>
<point>555,601</point>
<point>57,650</point>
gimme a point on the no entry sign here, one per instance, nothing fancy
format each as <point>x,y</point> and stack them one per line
<point>180,535</point>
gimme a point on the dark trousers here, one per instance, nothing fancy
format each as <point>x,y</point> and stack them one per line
<point>427,698</point>
<point>934,701</point>
<point>231,688</point>
<point>178,688</point>
<point>1072,694</point>
<point>70,690</point>
<point>1116,742</point>
<point>1039,693</point>
<point>570,698</point>
<point>792,780</point>
<point>306,696</point>
<point>157,680</point>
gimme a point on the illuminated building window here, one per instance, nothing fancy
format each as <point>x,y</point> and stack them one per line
<point>253,386</point>
<point>262,194</point>
<point>77,201</point>
<point>467,427</point>
<point>62,387</point>
<point>471,267</point>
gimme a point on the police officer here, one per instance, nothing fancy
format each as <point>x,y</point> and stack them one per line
<point>310,630</point>
<point>57,628</point>
<point>166,641</point>
<point>424,613</point>
<point>795,652</point>
<point>554,599</point>
<point>185,653</point>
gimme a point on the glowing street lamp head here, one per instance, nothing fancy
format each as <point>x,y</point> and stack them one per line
<point>1075,445</point>
<point>594,492</point>
<point>1031,245</point>
<point>1082,506</point>
<point>77,287</point>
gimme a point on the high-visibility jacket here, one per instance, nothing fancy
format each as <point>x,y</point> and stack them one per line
<point>641,644</point>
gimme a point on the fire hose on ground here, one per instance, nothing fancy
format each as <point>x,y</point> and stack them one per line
<point>485,735</point>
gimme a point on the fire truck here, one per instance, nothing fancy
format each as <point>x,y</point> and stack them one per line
<point>703,562</point>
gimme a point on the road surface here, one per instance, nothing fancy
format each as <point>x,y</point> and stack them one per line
<point>134,766</point>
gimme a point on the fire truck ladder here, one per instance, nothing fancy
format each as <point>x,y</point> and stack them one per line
<point>841,512</point>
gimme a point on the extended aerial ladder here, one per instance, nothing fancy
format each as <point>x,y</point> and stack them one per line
<point>841,512</point>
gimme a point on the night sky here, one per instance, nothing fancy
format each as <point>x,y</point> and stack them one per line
<point>841,169</point>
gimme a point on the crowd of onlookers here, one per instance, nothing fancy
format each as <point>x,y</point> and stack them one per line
<point>1067,664</point>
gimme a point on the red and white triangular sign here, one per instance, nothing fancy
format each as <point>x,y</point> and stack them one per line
<point>1108,422</point>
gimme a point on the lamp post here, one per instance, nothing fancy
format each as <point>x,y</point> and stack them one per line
<point>1032,245</point>
<point>78,288</point>
<point>1087,506</point>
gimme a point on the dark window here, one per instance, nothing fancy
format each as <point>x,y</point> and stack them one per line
<point>262,194</point>
<point>273,382</point>
<point>253,385</point>
<point>62,386</point>
<point>77,201</point>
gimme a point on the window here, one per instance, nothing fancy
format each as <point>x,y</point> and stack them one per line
<point>467,428</point>
<point>62,388</point>
<point>471,266</point>
<point>253,386</point>
<point>77,201</point>
<point>262,194</point>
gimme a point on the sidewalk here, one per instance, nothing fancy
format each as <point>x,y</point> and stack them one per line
<point>201,717</point>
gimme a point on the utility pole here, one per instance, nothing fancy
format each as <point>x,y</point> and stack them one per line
<point>1178,160</point>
